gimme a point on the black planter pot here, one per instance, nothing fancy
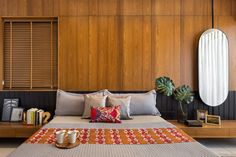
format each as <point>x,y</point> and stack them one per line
<point>182,113</point>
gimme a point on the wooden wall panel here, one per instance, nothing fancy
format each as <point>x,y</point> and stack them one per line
<point>166,7</point>
<point>102,65</point>
<point>73,53</point>
<point>225,7</point>
<point>3,10</point>
<point>93,53</point>
<point>113,54</point>
<point>147,7</point>
<point>108,7</point>
<point>82,52</point>
<point>191,29</point>
<point>166,47</point>
<point>148,80</point>
<point>64,52</point>
<point>196,7</point>
<point>50,7</point>
<point>132,52</point>
<point>126,44</point>
<point>16,8</point>
<point>93,7</point>
<point>228,25</point>
<point>29,8</point>
<point>35,8</point>
<point>73,7</point>
<point>104,54</point>
<point>131,7</point>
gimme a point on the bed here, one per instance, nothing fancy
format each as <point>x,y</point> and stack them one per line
<point>147,136</point>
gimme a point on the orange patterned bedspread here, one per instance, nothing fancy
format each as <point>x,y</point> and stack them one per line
<point>116,136</point>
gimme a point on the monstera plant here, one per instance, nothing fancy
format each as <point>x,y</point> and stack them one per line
<point>183,94</point>
<point>165,86</point>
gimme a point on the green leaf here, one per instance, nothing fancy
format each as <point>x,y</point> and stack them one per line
<point>165,86</point>
<point>184,94</point>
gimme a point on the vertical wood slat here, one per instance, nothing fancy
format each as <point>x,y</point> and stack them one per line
<point>55,57</point>
<point>6,56</point>
<point>31,55</point>
<point>1,53</point>
<point>51,54</point>
<point>10,55</point>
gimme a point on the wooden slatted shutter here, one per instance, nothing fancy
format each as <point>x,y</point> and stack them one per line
<point>55,54</point>
<point>41,67</point>
<point>21,55</point>
<point>30,54</point>
<point>7,48</point>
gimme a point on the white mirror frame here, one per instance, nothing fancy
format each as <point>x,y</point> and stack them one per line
<point>213,67</point>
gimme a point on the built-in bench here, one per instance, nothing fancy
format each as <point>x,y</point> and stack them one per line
<point>16,130</point>
<point>227,129</point>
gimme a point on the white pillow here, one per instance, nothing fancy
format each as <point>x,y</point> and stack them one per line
<point>71,104</point>
<point>141,103</point>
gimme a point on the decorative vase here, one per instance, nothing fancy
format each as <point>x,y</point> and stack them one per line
<point>182,113</point>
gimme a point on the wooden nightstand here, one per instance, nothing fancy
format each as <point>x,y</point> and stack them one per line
<point>16,130</point>
<point>227,129</point>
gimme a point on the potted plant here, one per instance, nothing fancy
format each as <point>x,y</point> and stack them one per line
<point>183,95</point>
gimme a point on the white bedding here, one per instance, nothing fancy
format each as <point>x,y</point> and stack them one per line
<point>185,149</point>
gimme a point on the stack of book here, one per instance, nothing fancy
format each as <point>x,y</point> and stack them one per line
<point>34,116</point>
<point>193,123</point>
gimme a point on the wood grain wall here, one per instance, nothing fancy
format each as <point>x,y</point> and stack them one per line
<point>126,44</point>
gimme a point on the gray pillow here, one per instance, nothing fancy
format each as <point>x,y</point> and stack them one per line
<point>142,103</point>
<point>71,104</point>
<point>93,101</point>
<point>124,102</point>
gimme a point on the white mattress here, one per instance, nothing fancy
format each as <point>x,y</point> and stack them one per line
<point>78,119</point>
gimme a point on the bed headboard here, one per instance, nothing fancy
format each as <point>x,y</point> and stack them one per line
<point>166,105</point>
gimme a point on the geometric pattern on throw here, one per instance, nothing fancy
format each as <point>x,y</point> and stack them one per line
<point>116,136</point>
<point>106,114</point>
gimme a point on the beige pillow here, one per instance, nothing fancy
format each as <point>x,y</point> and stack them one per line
<point>91,101</point>
<point>124,102</point>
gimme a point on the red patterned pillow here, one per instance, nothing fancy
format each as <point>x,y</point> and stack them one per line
<point>106,114</point>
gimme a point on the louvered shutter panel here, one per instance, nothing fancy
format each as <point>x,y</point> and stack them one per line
<point>21,55</point>
<point>7,45</point>
<point>55,55</point>
<point>30,54</point>
<point>41,69</point>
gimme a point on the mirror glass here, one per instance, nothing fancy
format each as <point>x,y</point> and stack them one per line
<point>213,70</point>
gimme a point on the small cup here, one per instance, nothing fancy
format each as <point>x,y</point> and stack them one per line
<point>72,136</point>
<point>60,136</point>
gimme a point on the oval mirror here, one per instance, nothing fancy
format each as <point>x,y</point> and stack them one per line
<point>213,68</point>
